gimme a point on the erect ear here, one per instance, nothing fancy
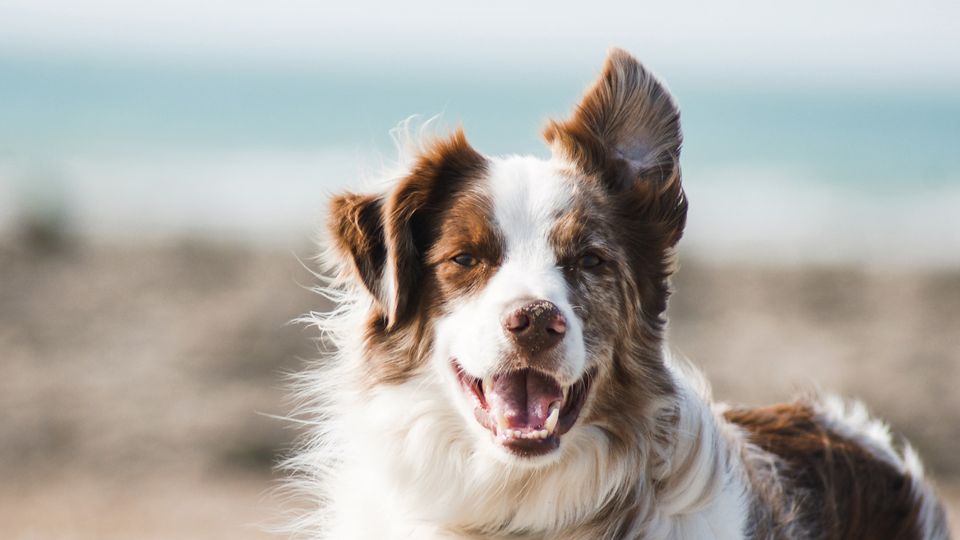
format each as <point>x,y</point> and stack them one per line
<point>626,132</point>
<point>627,121</point>
<point>385,237</point>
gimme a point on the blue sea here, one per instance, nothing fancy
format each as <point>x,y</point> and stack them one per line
<point>775,171</point>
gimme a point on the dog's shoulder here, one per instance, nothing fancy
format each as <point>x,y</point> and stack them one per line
<point>829,468</point>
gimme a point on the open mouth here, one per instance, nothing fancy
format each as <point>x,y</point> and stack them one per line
<point>526,410</point>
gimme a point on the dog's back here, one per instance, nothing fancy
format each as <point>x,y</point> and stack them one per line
<point>824,472</point>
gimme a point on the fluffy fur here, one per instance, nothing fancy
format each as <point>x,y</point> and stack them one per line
<point>409,436</point>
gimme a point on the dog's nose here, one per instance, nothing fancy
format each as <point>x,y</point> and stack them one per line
<point>536,326</point>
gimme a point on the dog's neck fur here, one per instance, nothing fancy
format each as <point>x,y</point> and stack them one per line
<point>684,480</point>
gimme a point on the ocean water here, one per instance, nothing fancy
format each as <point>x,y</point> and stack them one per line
<point>775,171</point>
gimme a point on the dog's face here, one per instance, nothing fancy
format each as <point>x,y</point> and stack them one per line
<point>535,289</point>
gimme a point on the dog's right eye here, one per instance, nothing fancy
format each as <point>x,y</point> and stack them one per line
<point>466,260</point>
<point>589,261</point>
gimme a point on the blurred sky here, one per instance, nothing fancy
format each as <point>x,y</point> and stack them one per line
<point>813,131</point>
<point>895,41</point>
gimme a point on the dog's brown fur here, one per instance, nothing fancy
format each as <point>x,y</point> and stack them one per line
<point>830,484</point>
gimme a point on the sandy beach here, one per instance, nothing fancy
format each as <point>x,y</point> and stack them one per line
<point>140,381</point>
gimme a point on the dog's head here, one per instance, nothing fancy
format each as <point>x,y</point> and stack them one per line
<point>535,289</point>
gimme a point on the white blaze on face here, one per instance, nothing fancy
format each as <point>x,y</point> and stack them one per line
<point>528,195</point>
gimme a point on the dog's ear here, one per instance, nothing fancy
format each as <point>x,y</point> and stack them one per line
<point>386,237</point>
<point>626,132</point>
<point>355,224</point>
<point>626,116</point>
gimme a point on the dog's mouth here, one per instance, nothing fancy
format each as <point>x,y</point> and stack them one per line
<point>527,411</point>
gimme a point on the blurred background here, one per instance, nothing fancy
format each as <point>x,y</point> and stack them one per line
<point>164,167</point>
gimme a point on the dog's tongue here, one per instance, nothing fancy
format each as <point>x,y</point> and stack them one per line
<point>521,400</point>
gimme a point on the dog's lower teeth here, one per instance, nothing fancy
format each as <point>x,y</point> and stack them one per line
<point>517,434</point>
<point>536,434</point>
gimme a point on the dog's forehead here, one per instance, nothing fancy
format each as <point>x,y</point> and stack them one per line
<point>528,196</point>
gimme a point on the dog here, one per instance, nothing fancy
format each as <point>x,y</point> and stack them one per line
<point>498,366</point>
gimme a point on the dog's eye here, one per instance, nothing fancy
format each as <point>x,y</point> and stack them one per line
<point>589,260</point>
<point>466,260</point>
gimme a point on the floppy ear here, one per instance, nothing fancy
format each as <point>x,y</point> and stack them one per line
<point>385,237</point>
<point>626,131</point>
<point>355,223</point>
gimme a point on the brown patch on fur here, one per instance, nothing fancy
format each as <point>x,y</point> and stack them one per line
<point>597,294</point>
<point>833,486</point>
<point>467,228</point>
<point>357,231</point>
<point>411,214</point>
<point>393,236</point>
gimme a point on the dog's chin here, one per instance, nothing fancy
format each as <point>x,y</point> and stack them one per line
<point>526,412</point>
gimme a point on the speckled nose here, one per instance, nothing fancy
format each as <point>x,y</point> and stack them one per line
<point>536,326</point>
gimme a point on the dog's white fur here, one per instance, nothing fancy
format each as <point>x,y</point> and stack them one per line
<point>392,464</point>
<point>526,193</point>
<point>407,461</point>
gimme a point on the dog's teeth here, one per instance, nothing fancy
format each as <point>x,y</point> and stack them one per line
<point>487,385</point>
<point>520,434</point>
<point>502,422</point>
<point>551,422</point>
<point>566,391</point>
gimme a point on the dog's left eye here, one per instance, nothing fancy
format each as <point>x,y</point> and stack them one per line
<point>466,260</point>
<point>589,260</point>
